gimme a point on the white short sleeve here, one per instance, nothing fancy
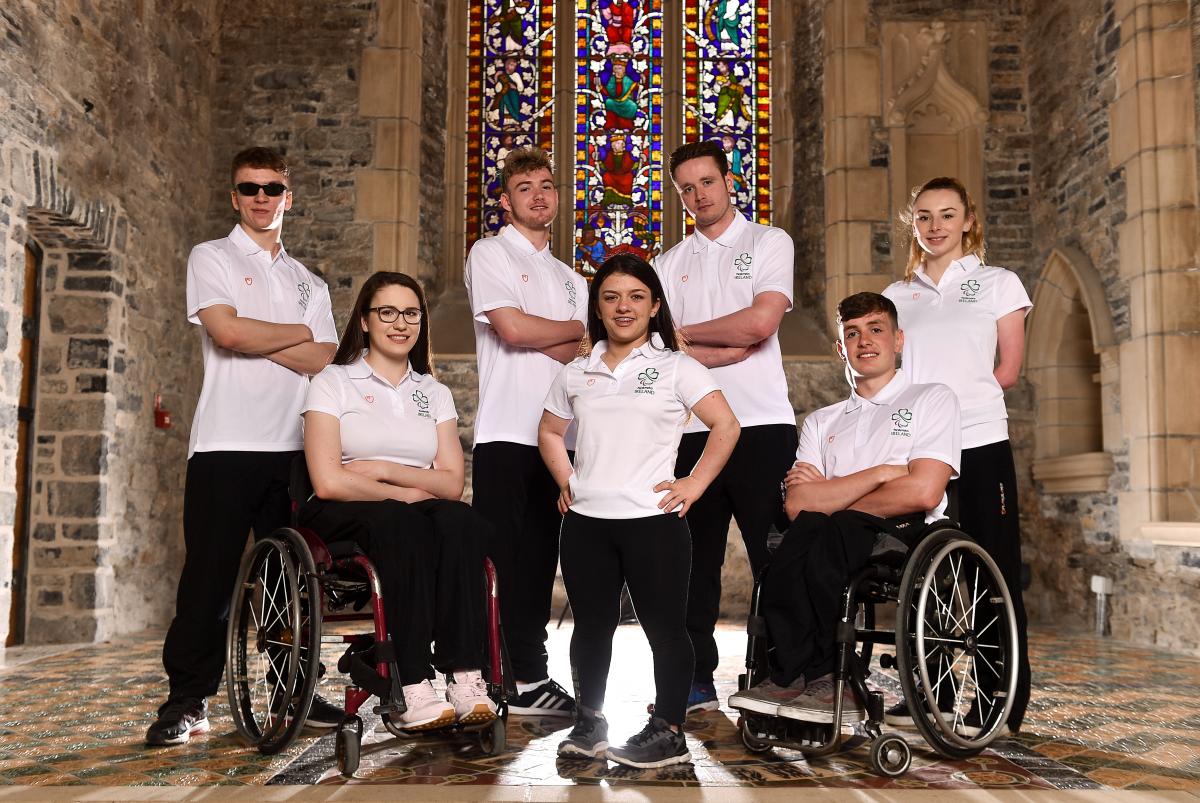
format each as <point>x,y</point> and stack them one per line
<point>491,286</point>
<point>582,288</point>
<point>692,381</point>
<point>319,317</point>
<point>776,272</point>
<point>1011,295</point>
<point>324,393</point>
<point>443,409</point>
<point>809,449</point>
<point>557,400</point>
<point>207,280</point>
<point>939,432</point>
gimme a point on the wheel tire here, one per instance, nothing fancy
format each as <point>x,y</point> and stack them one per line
<point>752,742</point>
<point>309,588</point>
<point>493,740</point>
<point>348,747</point>
<point>890,756</point>
<point>262,664</point>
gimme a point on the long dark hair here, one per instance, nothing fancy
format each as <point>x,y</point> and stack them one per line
<point>640,269</point>
<point>354,339</point>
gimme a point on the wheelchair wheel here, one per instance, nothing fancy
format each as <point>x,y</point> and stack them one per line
<point>309,587</point>
<point>890,756</point>
<point>348,747</point>
<point>957,657</point>
<point>493,739</point>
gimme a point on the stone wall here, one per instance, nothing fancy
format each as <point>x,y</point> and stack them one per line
<point>431,251</point>
<point>103,110</point>
<point>807,225</point>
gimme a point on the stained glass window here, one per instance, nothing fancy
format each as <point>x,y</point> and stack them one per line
<point>727,92</point>
<point>510,97</point>
<point>618,129</point>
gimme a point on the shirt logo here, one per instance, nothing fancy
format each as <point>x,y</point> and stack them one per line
<point>830,439</point>
<point>525,277</point>
<point>305,294</point>
<point>969,288</point>
<point>647,379</point>
<point>684,279</point>
<point>591,382</point>
<point>370,399</point>
<point>570,292</point>
<point>249,280</point>
<point>916,296</point>
<point>742,265</point>
<point>422,402</point>
<point>900,421</point>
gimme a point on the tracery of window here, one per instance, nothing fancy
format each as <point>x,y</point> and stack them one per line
<point>727,92</point>
<point>510,98</point>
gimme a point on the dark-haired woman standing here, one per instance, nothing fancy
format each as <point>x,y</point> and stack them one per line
<point>381,443</point>
<point>623,508</point>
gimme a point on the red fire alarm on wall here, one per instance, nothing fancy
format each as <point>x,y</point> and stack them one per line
<point>162,417</point>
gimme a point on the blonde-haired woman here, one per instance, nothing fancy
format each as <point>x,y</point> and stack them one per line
<point>964,325</point>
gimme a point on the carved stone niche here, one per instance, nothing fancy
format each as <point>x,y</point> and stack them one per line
<point>935,81</point>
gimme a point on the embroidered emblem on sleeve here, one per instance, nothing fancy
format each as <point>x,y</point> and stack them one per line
<point>570,292</point>
<point>647,379</point>
<point>305,294</point>
<point>422,402</point>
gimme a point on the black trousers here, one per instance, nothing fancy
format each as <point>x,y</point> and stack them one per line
<point>429,556</point>
<point>225,495</point>
<point>988,512</point>
<point>747,490</point>
<point>514,491</point>
<point>802,589</point>
<point>652,556</point>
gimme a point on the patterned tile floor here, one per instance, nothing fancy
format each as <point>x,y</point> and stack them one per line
<point>1103,716</point>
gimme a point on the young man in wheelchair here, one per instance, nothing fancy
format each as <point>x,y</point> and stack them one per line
<point>873,465</point>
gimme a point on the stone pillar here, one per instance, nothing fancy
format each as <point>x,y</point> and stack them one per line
<point>856,194</point>
<point>388,192</point>
<point>783,130</point>
<point>1153,121</point>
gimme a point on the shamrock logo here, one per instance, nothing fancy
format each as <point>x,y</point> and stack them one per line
<point>969,288</point>
<point>902,418</point>
<point>570,292</point>
<point>305,293</point>
<point>743,264</point>
<point>648,377</point>
<point>422,402</point>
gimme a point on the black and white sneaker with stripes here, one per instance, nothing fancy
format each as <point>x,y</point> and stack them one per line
<point>547,699</point>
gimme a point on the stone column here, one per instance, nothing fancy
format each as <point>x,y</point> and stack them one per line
<point>1153,121</point>
<point>388,192</point>
<point>855,193</point>
<point>783,130</point>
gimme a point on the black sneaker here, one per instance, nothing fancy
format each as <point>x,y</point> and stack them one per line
<point>658,745</point>
<point>898,716</point>
<point>589,737</point>
<point>323,714</point>
<point>546,700</point>
<point>177,721</point>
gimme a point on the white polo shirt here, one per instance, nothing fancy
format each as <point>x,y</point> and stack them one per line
<point>379,420</point>
<point>248,403</point>
<point>950,337</point>
<point>705,279</point>
<point>630,421</point>
<point>507,271</point>
<point>903,422</point>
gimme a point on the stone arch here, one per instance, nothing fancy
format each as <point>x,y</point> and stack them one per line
<point>1071,363</point>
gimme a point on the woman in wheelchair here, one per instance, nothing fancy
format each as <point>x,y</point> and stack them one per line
<point>871,466</point>
<point>623,508</point>
<point>382,448</point>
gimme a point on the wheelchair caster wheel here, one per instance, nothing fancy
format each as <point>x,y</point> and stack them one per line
<point>890,756</point>
<point>493,739</point>
<point>349,745</point>
<point>752,742</point>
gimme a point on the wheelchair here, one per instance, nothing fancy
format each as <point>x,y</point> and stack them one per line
<point>955,641</point>
<point>290,584</point>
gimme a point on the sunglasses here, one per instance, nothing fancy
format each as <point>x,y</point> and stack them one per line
<point>250,189</point>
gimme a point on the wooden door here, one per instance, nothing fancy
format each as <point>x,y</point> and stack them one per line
<point>20,557</point>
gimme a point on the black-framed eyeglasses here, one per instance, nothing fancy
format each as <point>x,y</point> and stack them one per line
<point>250,189</point>
<point>412,315</point>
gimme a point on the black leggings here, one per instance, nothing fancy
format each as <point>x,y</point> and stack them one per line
<point>429,556</point>
<point>652,556</point>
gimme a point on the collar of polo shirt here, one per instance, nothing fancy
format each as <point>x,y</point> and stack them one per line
<point>361,369</point>
<point>510,233</point>
<point>966,264</point>
<point>885,395</point>
<point>647,349</point>
<point>246,244</point>
<point>727,238</point>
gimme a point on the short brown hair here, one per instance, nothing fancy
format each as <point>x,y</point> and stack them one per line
<point>261,158</point>
<point>694,150</point>
<point>524,160</point>
<point>861,304</point>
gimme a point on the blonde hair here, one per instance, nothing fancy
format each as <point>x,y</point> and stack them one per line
<point>972,240</point>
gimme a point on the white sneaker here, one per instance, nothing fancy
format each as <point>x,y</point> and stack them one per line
<point>468,694</point>
<point>425,710</point>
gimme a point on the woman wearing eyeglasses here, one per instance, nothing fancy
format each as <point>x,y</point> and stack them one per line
<point>381,443</point>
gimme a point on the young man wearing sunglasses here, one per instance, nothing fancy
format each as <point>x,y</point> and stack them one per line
<point>266,325</point>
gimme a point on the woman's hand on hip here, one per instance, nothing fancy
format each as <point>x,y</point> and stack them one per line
<point>564,499</point>
<point>681,493</point>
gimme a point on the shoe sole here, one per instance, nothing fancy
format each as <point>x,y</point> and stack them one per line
<point>201,726</point>
<point>541,712</point>
<point>478,715</point>
<point>574,751</point>
<point>700,708</point>
<point>899,720</point>
<point>755,706</point>
<point>683,758</point>
<point>444,720</point>
<point>820,717</point>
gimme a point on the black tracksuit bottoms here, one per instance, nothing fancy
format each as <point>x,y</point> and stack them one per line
<point>651,555</point>
<point>429,557</point>
<point>748,490</point>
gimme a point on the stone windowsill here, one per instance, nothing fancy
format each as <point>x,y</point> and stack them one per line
<point>1076,473</point>
<point>1164,541</point>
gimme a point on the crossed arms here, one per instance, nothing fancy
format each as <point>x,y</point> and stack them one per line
<point>558,340</point>
<point>733,337</point>
<point>884,491</point>
<point>288,344</point>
